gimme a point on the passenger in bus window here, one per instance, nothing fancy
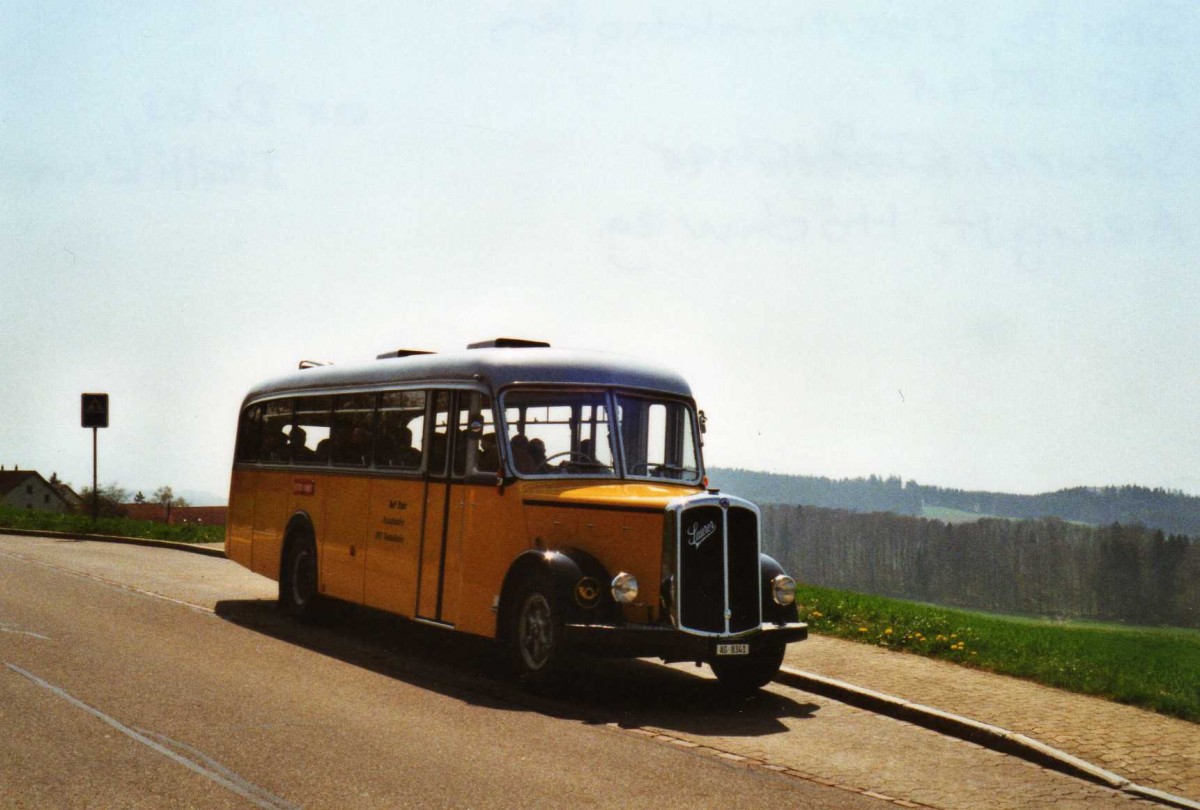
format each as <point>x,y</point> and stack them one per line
<point>296,446</point>
<point>406,455</point>
<point>537,454</point>
<point>520,449</point>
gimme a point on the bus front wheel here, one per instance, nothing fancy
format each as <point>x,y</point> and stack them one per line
<point>535,632</point>
<point>742,674</point>
<point>298,578</point>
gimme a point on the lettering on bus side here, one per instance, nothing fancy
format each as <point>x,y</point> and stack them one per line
<point>393,522</point>
<point>304,486</point>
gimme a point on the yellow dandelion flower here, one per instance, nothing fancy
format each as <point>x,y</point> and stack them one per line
<point>862,629</point>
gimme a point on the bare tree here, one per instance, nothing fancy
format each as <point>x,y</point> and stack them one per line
<point>166,497</point>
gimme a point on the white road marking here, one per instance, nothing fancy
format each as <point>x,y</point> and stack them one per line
<point>15,630</point>
<point>213,770</point>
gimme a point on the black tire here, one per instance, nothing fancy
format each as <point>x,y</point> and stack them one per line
<point>746,673</point>
<point>298,596</point>
<point>535,631</point>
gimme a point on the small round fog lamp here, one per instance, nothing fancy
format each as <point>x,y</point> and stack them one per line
<point>624,588</point>
<point>783,589</point>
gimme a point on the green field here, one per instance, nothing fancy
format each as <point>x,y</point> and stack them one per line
<point>121,527</point>
<point>1155,668</point>
<point>948,515</point>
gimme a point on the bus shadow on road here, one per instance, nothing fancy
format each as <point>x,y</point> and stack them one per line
<point>630,694</point>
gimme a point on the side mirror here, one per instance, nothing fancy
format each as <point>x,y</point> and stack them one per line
<point>703,421</point>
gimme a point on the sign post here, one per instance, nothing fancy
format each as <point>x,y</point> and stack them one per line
<point>93,413</point>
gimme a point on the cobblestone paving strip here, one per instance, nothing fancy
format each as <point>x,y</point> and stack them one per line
<point>857,750</point>
<point>1157,752</point>
<point>705,750</point>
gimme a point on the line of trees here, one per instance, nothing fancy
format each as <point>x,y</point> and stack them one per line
<point>1171,511</point>
<point>114,498</point>
<point>1121,572</point>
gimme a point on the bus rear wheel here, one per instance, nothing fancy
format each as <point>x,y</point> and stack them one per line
<point>746,673</point>
<point>298,578</point>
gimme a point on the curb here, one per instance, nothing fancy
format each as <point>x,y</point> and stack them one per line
<point>964,728</point>
<point>194,548</point>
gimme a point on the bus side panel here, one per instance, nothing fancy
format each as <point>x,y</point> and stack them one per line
<point>493,535</point>
<point>342,540</point>
<point>628,541</point>
<point>393,543</point>
<point>239,530</point>
<point>272,508</point>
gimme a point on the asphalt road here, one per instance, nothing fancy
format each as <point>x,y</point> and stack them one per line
<point>112,698</point>
<point>137,677</point>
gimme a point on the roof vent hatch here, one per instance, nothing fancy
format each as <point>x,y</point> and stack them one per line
<point>509,343</point>
<point>401,353</point>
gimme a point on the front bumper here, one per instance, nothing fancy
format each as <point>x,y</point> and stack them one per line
<point>670,644</point>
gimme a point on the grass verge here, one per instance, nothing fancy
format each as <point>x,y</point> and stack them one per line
<point>11,518</point>
<point>1151,667</point>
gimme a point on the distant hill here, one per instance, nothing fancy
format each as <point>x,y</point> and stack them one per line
<point>1171,511</point>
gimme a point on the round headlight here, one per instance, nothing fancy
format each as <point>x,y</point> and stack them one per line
<point>624,588</point>
<point>783,588</point>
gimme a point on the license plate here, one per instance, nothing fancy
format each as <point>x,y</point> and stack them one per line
<point>733,649</point>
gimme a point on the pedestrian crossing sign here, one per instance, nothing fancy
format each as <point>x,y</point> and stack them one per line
<point>94,410</point>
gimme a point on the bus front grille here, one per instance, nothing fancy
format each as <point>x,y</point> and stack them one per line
<point>717,582</point>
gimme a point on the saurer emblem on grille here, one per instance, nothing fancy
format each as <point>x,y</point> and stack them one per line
<point>697,534</point>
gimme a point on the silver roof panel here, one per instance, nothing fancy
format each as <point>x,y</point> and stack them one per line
<point>495,368</point>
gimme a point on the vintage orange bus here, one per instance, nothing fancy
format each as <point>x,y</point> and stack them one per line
<point>554,500</point>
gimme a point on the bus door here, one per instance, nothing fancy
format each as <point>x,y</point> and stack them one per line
<point>463,441</point>
<point>439,543</point>
<point>397,502</point>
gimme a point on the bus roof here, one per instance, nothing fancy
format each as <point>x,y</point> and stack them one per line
<point>494,367</point>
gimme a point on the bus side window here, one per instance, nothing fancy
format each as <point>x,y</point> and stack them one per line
<point>400,431</point>
<point>249,434</point>
<point>475,440</point>
<point>350,433</point>
<point>309,431</point>
<point>277,415</point>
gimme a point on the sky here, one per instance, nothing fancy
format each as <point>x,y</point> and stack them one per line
<point>951,242</point>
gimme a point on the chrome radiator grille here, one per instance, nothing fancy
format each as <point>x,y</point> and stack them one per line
<point>717,588</point>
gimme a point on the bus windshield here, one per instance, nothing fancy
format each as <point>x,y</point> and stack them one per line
<point>559,432</point>
<point>572,433</point>
<point>658,438</point>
